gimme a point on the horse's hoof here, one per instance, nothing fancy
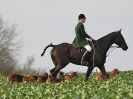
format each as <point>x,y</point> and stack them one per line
<point>106,78</point>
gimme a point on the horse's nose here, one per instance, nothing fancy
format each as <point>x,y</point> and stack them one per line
<point>125,48</point>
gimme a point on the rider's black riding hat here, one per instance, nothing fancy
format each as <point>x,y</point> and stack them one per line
<point>81,16</point>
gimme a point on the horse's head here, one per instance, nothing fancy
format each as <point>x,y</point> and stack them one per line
<point>120,41</point>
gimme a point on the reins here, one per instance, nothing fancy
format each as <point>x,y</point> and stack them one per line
<point>114,47</point>
<point>93,53</point>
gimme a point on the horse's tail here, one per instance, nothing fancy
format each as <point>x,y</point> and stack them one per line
<point>50,45</point>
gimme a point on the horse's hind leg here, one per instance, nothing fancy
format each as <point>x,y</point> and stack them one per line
<point>56,70</point>
<point>52,70</point>
<point>55,63</point>
<point>58,66</point>
<point>102,69</point>
<point>60,60</point>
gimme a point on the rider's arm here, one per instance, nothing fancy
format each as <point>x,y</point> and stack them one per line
<point>82,29</point>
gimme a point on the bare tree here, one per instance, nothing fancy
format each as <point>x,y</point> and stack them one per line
<point>8,47</point>
<point>28,65</point>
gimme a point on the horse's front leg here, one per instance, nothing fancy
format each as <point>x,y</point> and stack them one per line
<point>102,69</point>
<point>89,71</point>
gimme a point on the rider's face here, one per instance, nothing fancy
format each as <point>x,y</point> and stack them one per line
<point>83,20</point>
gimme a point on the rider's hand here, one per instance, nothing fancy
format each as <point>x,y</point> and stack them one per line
<point>90,39</point>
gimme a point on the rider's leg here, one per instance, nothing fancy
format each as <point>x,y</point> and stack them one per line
<point>86,54</point>
<point>88,48</point>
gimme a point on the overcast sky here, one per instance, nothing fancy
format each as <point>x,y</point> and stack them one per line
<point>41,22</point>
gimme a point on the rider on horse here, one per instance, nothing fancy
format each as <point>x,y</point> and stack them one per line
<point>80,40</point>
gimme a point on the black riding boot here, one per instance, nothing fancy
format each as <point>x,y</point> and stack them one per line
<point>84,58</point>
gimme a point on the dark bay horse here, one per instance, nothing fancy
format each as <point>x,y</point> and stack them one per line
<point>65,53</point>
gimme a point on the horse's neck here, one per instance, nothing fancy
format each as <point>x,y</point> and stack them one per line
<point>105,42</point>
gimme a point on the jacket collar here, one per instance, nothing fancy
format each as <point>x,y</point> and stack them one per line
<point>80,23</point>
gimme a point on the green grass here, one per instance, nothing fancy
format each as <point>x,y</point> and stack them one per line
<point>120,87</point>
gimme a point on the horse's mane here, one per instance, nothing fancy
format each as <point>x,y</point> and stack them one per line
<point>108,35</point>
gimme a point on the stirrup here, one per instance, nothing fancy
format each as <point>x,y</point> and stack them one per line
<point>84,62</point>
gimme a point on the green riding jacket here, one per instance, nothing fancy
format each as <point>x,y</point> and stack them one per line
<point>80,39</point>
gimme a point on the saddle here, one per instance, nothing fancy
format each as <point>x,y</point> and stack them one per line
<point>81,49</point>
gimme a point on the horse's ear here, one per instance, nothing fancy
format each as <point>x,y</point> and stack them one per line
<point>120,30</point>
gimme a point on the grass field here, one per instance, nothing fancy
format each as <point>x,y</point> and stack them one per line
<point>120,87</point>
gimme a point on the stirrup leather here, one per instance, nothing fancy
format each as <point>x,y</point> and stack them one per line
<point>83,59</point>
